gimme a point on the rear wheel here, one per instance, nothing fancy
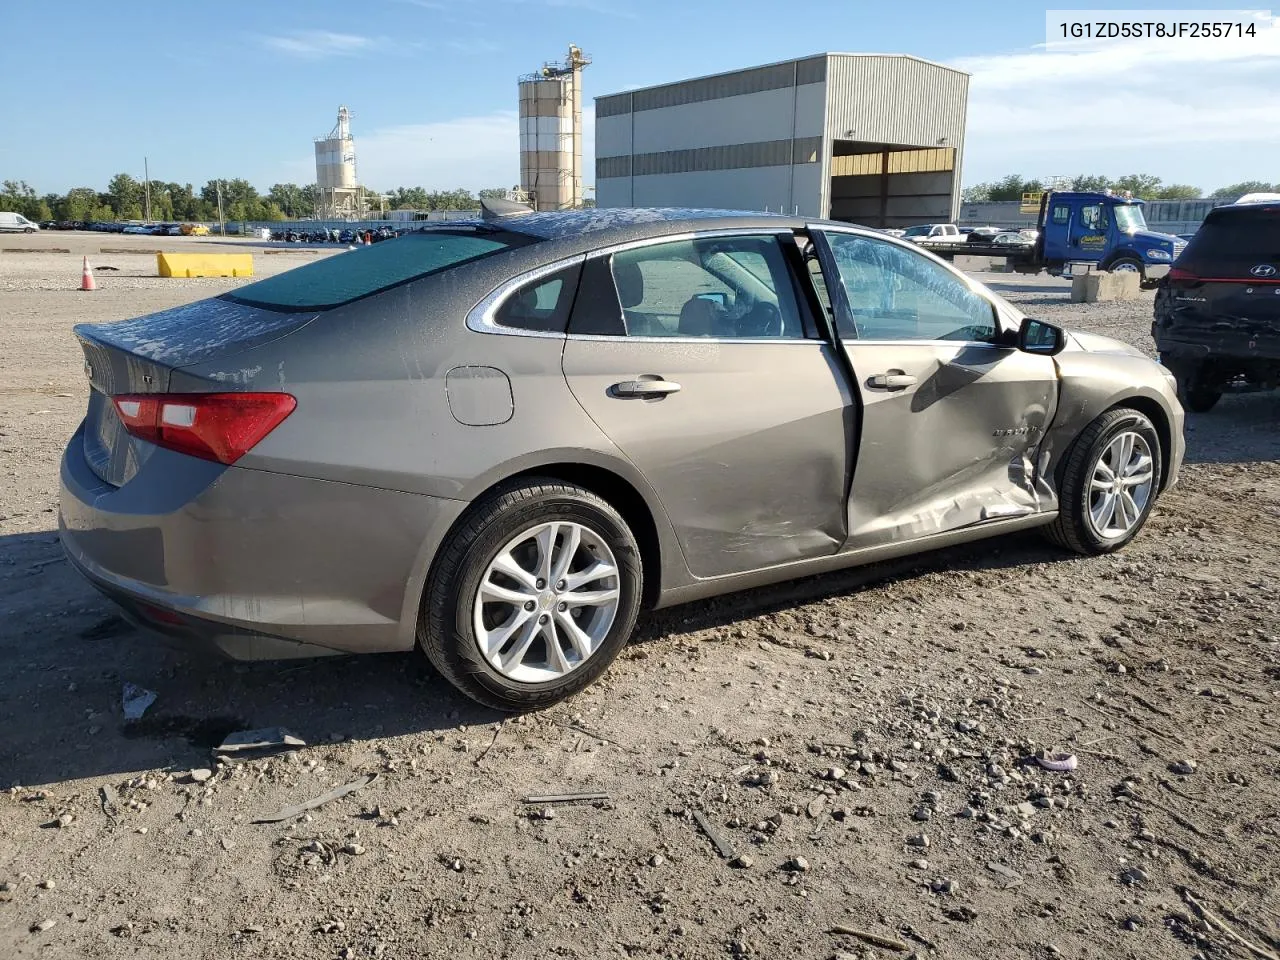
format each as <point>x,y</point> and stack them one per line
<point>533,596</point>
<point>1198,388</point>
<point>1109,483</point>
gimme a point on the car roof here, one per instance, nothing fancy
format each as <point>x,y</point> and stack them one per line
<point>607,225</point>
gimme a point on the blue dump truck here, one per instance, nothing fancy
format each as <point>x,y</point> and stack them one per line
<point>1094,228</point>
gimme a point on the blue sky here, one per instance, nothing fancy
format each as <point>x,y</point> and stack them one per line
<point>235,88</point>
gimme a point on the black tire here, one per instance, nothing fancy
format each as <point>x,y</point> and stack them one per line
<point>1074,529</point>
<point>28,230</point>
<point>1123,263</point>
<point>1197,390</point>
<point>446,633</point>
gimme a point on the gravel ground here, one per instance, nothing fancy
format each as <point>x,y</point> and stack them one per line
<point>864,742</point>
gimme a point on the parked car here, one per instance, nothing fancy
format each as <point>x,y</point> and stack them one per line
<point>195,230</point>
<point>934,231</point>
<point>983,234</point>
<point>508,436</point>
<point>1012,239</point>
<point>1217,313</point>
<point>16,223</point>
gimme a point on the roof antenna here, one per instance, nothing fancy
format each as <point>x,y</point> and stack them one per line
<point>497,208</point>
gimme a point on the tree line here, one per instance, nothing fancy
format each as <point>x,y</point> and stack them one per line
<point>1143,186</point>
<point>125,199</point>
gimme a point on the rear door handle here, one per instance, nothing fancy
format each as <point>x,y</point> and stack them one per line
<point>892,381</point>
<point>652,389</point>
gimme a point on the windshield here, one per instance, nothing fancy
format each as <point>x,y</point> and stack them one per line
<point>1129,218</point>
<point>920,231</point>
<point>367,270</point>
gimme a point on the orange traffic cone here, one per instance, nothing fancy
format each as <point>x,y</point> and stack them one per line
<point>86,278</point>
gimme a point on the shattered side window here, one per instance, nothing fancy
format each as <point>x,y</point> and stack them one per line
<point>898,294</point>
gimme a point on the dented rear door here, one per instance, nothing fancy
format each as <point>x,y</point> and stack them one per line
<point>951,419</point>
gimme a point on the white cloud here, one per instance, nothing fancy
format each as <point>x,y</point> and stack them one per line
<point>318,43</point>
<point>1195,111</point>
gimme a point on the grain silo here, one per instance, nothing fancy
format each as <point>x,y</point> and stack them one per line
<point>339,195</point>
<point>551,133</point>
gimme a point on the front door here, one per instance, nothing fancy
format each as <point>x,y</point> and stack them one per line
<point>696,359</point>
<point>951,417</point>
<point>1089,229</point>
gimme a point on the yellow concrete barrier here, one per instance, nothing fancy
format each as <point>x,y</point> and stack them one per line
<point>205,264</point>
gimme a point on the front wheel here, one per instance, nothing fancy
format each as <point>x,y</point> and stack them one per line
<point>533,596</point>
<point>1109,483</point>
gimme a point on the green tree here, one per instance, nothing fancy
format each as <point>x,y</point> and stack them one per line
<point>124,194</point>
<point>1143,186</point>
<point>78,204</point>
<point>1178,191</point>
<point>1235,191</point>
<point>1091,183</point>
<point>1011,187</point>
<point>409,198</point>
<point>288,197</point>
<point>493,193</point>
<point>17,196</point>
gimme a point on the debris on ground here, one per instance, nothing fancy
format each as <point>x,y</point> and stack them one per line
<point>567,798</point>
<point>723,846</point>
<point>135,701</point>
<point>875,939</point>
<point>288,813</point>
<point>267,738</point>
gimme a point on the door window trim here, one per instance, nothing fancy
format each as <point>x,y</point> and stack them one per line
<point>997,314</point>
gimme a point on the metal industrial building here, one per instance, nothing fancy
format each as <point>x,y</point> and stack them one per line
<point>871,138</point>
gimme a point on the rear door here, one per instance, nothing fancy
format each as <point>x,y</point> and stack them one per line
<point>695,357</point>
<point>951,416</point>
<point>1225,286</point>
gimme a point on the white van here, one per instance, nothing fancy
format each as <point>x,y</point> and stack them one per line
<point>15,222</point>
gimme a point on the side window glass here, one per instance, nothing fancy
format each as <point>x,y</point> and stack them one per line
<point>724,287</point>
<point>1090,215</point>
<point>1061,213</point>
<point>542,305</point>
<point>898,294</point>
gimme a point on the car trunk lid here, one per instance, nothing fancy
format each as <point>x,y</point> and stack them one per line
<point>139,356</point>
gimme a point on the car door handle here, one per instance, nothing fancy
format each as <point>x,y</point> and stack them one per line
<point>645,388</point>
<point>892,381</point>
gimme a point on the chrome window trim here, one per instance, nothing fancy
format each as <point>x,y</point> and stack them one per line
<point>481,317</point>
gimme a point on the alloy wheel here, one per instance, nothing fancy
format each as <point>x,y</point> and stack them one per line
<point>1120,488</point>
<point>546,602</point>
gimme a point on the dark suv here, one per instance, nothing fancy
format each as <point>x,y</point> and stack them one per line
<point>1217,312</point>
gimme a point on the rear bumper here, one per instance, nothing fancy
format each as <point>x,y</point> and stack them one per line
<point>1208,344</point>
<point>259,565</point>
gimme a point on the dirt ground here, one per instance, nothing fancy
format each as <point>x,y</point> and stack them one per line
<point>863,741</point>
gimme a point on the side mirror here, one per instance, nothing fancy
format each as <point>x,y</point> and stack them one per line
<point>1041,337</point>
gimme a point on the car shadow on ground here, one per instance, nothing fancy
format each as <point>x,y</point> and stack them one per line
<point>67,656</point>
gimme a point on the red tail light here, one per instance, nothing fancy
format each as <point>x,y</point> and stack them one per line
<point>1178,273</point>
<point>221,427</point>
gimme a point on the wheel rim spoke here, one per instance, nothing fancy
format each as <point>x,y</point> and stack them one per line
<point>515,657</point>
<point>599,570</point>
<point>547,601</point>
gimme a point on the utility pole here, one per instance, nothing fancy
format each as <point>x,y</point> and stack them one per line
<point>146,179</point>
<point>222,230</point>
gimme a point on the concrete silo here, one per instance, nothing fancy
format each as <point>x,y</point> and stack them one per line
<point>339,195</point>
<point>551,133</point>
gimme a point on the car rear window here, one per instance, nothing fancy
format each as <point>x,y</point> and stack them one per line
<point>367,270</point>
<point>1234,238</point>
